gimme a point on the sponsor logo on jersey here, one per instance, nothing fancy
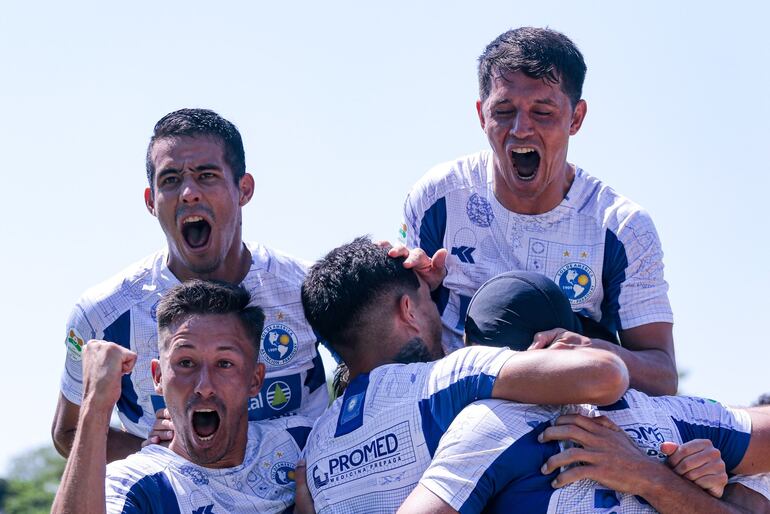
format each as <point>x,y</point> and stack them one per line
<point>75,345</point>
<point>352,407</point>
<point>278,395</point>
<point>282,473</point>
<point>383,452</point>
<point>648,437</point>
<point>464,253</point>
<point>577,281</point>
<point>206,509</point>
<point>479,211</point>
<point>279,344</point>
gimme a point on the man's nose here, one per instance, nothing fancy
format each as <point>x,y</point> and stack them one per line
<point>522,125</point>
<point>204,387</point>
<point>190,190</point>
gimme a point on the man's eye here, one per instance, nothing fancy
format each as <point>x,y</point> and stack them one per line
<point>503,113</point>
<point>543,113</point>
<point>167,181</point>
<point>186,363</point>
<point>225,364</point>
<point>206,175</point>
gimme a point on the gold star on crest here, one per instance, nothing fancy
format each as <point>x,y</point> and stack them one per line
<point>583,254</point>
<point>279,454</point>
<point>566,253</point>
<point>280,316</point>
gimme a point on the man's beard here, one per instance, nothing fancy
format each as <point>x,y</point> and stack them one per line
<point>415,350</point>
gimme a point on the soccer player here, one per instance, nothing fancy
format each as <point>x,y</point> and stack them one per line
<point>502,456</point>
<point>369,449</point>
<point>522,206</point>
<point>198,185</point>
<point>218,461</point>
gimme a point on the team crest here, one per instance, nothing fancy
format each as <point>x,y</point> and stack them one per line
<point>282,473</point>
<point>278,395</point>
<point>75,345</point>
<point>279,344</point>
<point>577,281</point>
<point>479,211</point>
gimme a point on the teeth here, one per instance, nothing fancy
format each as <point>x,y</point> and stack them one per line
<point>207,438</point>
<point>193,219</point>
<point>204,410</point>
<point>523,150</point>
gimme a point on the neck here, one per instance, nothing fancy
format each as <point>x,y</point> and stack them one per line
<point>539,202</point>
<point>232,269</point>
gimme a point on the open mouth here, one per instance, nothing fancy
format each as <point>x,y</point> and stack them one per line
<point>196,231</point>
<point>205,423</point>
<point>526,161</point>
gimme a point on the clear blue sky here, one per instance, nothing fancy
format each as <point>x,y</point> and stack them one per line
<point>343,106</point>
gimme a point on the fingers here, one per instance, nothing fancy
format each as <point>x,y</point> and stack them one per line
<point>565,458</point>
<point>394,251</point>
<point>162,413</point>
<point>150,440</point>
<point>565,433</point>
<point>544,339</point>
<point>439,259</point>
<point>586,423</point>
<point>571,475</point>
<point>128,362</point>
<point>668,448</point>
<point>713,484</point>
<point>416,259</point>
<point>382,243</point>
<point>303,501</point>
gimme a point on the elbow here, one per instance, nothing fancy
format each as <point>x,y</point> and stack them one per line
<point>62,438</point>
<point>609,380</point>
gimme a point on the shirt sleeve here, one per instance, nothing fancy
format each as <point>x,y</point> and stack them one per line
<point>79,332</point>
<point>757,483</point>
<point>637,270</point>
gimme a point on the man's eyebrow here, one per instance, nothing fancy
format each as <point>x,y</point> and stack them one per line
<point>546,101</point>
<point>220,348</point>
<point>206,167</point>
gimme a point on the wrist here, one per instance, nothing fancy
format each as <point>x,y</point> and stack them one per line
<point>654,480</point>
<point>94,412</point>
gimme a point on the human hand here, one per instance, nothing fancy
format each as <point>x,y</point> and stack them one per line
<point>303,501</point>
<point>699,462</point>
<point>558,339</point>
<point>104,364</point>
<point>431,270</point>
<point>607,455</point>
<point>162,432</point>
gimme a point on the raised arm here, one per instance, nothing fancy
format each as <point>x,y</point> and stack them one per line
<point>82,487</point>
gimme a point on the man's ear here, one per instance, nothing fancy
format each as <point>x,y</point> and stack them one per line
<point>480,112</point>
<point>155,368</point>
<point>257,379</point>
<point>149,200</point>
<point>246,186</point>
<point>406,314</point>
<point>581,109</point>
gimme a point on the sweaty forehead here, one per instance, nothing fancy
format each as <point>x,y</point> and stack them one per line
<point>516,85</point>
<point>206,333</point>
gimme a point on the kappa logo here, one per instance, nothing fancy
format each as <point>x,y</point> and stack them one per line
<point>464,253</point>
<point>278,395</point>
<point>279,344</point>
<point>479,211</point>
<point>577,282</point>
<point>74,345</point>
<point>208,509</point>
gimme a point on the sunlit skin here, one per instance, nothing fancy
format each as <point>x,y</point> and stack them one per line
<point>208,362</point>
<point>192,178</point>
<point>524,112</point>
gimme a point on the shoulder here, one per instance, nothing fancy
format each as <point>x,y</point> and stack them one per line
<point>275,263</point>
<point>615,211</point>
<point>295,428</point>
<point>105,302</point>
<point>464,172</point>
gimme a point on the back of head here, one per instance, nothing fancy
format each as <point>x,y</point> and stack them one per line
<point>350,293</point>
<point>509,309</point>
<point>202,297</point>
<point>200,123</point>
<point>538,53</point>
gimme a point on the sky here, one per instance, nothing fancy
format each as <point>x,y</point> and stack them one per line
<point>342,107</point>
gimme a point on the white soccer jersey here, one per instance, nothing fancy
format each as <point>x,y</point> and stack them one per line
<point>490,459</point>
<point>122,310</point>
<point>157,480</point>
<point>368,450</point>
<point>599,247</point>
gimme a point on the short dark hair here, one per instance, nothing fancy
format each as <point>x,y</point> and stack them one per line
<point>199,122</point>
<point>763,400</point>
<point>348,286</point>
<point>538,53</point>
<point>210,297</point>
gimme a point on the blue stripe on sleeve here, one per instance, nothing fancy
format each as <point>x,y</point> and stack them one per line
<point>150,495</point>
<point>433,227</point>
<point>119,332</point>
<point>465,301</point>
<point>438,410</point>
<point>613,276</point>
<point>514,478</point>
<point>732,443</point>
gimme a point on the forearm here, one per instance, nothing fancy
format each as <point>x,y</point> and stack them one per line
<point>669,493</point>
<point>579,375</point>
<point>651,371</point>
<point>120,444</point>
<point>82,484</point>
